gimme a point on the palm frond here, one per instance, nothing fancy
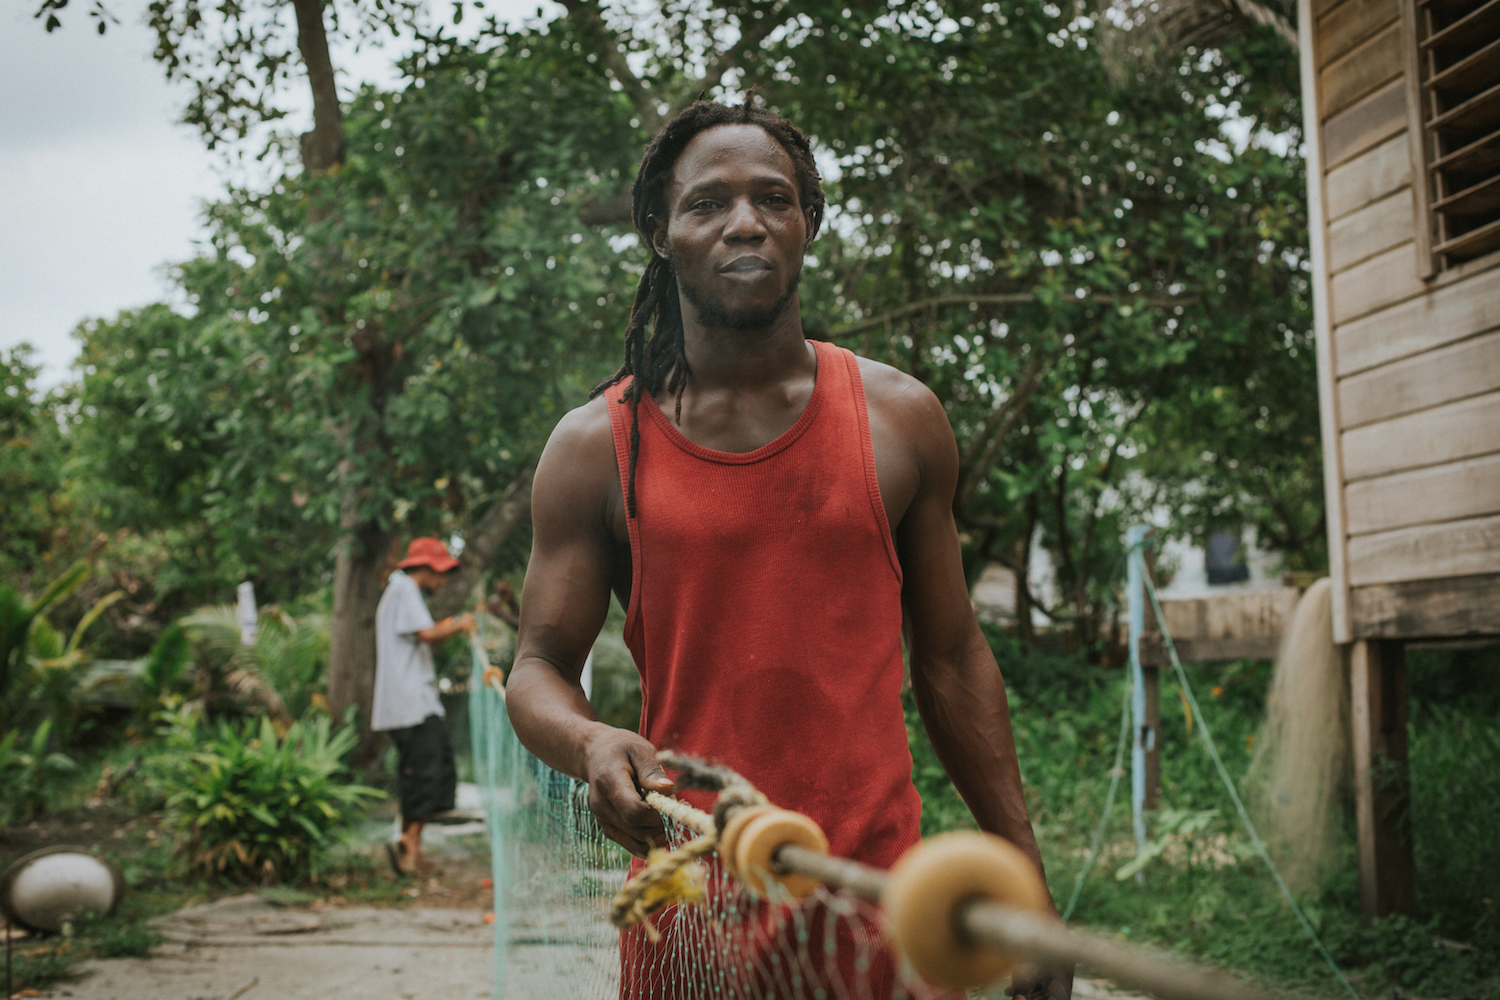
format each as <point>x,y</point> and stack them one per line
<point>216,628</point>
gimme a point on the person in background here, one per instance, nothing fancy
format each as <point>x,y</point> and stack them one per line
<point>406,696</point>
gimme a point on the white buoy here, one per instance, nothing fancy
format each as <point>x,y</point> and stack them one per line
<point>50,888</point>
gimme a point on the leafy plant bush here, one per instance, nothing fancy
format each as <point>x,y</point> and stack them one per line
<point>250,805</point>
<point>29,773</point>
<point>166,670</point>
<point>39,669</point>
<point>17,614</point>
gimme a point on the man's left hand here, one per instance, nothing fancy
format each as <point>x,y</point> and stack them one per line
<point>1038,984</point>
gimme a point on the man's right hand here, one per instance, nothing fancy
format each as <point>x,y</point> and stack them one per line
<point>448,627</point>
<point>622,767</point>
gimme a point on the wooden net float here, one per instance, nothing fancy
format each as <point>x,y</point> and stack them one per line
<point>963,909</point>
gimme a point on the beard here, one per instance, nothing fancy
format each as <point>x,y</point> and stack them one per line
<point>714,313</point>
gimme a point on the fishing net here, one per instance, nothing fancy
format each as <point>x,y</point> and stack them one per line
<point>556,874</point>
<point>1301,765</point>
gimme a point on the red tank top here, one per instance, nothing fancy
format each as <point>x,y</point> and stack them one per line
<point>765,612</point>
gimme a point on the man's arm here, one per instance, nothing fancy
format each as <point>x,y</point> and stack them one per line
<point>959,691</point>
<point>439,631</point>
<point>563,604</point>
<point>957,683</point>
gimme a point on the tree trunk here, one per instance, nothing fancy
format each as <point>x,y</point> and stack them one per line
<point>323,147</point>
<point>351,652</point>
<point>362,552</point>
<point>483,541</point>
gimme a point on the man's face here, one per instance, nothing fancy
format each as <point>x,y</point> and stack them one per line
<point>736,230</point>
<point>429,580</point>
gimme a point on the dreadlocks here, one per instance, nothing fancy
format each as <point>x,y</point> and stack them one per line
<point>659,360</point>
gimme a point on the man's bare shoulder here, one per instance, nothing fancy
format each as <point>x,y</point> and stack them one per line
<point>578,464</point>
<point>894,394</point>
<point>584,427</point>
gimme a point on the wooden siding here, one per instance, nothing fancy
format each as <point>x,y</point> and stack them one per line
<point>1372,229</point>
<point>1451,492</point>
<point>1383,280</point>
<point>1371,176</point>
<point>1377,117</point>
<point>1362,71</point>
<point>1428,437</point>
<point>1458,371</point>
<point>1451,312</point>
<point>1351,23</point>
<point>1428,552</point>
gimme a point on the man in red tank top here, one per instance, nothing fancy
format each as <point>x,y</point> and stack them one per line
<point>770,511</point>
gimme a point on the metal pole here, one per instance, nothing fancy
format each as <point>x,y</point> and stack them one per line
<point>1135,540</point>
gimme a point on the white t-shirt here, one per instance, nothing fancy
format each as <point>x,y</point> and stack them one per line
<point>405,684</point>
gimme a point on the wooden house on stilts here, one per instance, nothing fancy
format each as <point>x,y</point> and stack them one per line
<point>1402,105</point>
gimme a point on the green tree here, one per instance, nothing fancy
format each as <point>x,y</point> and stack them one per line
<point>409,392</point>
<point>1105,291</point>
<point>1108,296</point>
<point>32,452</point>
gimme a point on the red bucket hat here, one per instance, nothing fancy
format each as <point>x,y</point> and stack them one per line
<point>428,552</point>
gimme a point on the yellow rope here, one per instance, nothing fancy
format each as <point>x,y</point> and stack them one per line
<point>675,876</point>
<point>669,877</point>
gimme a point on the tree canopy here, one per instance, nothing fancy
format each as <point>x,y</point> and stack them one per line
<point>1105,283</point>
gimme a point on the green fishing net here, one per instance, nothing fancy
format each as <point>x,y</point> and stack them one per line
<point>555,874</point>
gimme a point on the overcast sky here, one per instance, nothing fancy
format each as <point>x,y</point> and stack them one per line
<point>99,187</point>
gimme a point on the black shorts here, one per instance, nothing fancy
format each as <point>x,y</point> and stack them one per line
<point>425,775</point>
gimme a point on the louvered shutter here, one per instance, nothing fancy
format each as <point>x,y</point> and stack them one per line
<point>1457,64</point>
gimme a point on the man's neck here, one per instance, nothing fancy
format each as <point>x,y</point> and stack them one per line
<point>722,358</point>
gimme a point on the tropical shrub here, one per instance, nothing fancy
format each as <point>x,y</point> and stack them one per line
<point>250,805</point>
<point>29,773</point>
<point>17,615</point>
<point>39,669</point>
<point>284,668</point>
<point>165,671</point>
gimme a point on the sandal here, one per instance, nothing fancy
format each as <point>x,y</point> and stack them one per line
<point>394,853</point>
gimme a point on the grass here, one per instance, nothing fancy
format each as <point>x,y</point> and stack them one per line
<point>1205,893</point>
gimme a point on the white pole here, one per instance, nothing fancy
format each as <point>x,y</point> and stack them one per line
<point>1135,539</point>
<point>249,618</point>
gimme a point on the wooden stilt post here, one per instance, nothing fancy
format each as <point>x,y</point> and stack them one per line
<point>1377,675</point>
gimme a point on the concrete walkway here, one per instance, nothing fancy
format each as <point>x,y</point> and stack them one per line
<point>246,948</point>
